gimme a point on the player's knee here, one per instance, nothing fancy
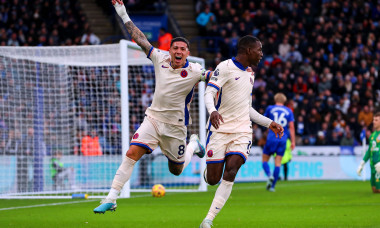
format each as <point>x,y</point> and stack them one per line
<point>136,152</point>
<point>213,181</point>
<point>175,169</point>
<point>230,174</point>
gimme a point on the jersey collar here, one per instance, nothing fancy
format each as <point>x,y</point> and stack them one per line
<point>239,65</point>
<point>186,64</point>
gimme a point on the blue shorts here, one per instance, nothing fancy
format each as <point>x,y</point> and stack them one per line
<point>275,146</point>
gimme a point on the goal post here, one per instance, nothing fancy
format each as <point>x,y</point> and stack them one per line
<point>76,108</point>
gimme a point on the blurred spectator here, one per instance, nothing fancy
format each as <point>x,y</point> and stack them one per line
<point>365,115</point>
<point>205,20</point>
<point>347,139</point>
<point>89,38</point>
<point>164,39</point>
<point>90,145</point>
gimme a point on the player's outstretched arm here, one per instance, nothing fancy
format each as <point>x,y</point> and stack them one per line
<point>215,117</point>
<point>292,134</point>
<point>277,129</point>
<point>360,168</point>
<point>266,122</point>
<point>136,33</point>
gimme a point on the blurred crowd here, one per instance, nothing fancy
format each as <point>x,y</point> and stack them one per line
<point>97,114</point>
<point>43,23</point>
<point>323,54</point>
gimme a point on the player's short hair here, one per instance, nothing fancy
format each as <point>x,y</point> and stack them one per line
<point>183,39</point>
<point>376,114</point>
<point>245,42</point>
<point>280,98</point>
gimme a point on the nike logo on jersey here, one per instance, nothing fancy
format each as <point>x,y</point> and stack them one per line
<point>217,208</point>
<point>237,78</point>
<point>164,66</point>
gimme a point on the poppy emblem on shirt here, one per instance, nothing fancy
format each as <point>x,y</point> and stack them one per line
<point>135,136</point>
<point>184,73</point>
<point>210,153</point>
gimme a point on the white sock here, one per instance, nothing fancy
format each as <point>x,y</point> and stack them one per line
<point>190,148</point>
<point>121,177</point>
<point>113,194</point>
<point>221,196</point>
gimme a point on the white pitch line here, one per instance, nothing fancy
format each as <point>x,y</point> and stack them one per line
<point>45,205</point>
<point>62,203</point>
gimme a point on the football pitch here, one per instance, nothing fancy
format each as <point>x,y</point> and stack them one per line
<point>294,204</point>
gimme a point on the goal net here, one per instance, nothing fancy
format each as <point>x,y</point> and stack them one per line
<point>67,115</point>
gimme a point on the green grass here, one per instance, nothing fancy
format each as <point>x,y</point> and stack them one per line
<point>294,204</point>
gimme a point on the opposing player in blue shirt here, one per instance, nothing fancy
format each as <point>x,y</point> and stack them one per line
<point>283,116</point>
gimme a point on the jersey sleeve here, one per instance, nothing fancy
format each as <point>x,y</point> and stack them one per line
<point>368,152</point>
<point>218,78</point>
<point>155,55</point>
<point>205,75</point>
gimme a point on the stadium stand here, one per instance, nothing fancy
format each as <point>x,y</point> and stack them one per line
<point>324,55</point>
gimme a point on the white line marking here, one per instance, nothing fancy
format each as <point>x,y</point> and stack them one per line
<point>62,203</point>
<point>45,205</point>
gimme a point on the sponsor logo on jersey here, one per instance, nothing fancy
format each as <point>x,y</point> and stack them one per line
<point>164,66</point>
<point>237,78</point>
<point>214,78</point>
<point>216,73</point>
<point>184,73</point>
<point>135,136</point>
<point>210,153</point>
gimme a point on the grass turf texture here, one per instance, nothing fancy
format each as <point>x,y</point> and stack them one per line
<point>294,204</point>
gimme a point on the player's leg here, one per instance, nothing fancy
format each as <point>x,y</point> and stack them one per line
<point>374,184</point>
<point>286,171</point>
<point>232,166</point>
<point>267,152</point>
<point>144,141</point>
<point>276,172</point>
<point>265,159</point>
<point>216,148</point>
<point>122,175</point>
<point>237,152</point>
<point>194,147</point>
<point>173,145</point>
<point>181,155</point>
<point>279,147</point>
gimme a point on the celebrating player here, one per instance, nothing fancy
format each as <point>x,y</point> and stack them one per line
<point>373,154</point>
<point>284,116</point>
<point>167,117</point>
<point>229,136</point>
